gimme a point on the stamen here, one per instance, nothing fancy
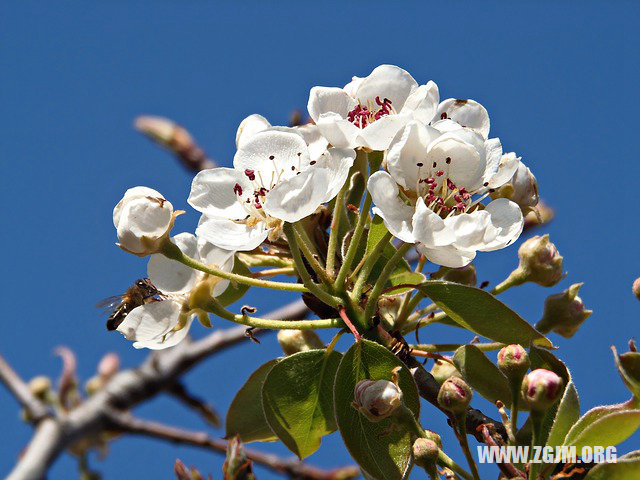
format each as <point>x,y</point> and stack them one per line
<point>251,174</point>
<point>237,189</point>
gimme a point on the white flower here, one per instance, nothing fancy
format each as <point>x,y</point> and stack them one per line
<point>368,112</point>
<point>522,188</point>
<point>164,323</point>
<point>431,194</point>
<point>274,179</point>
<point>143,218</point>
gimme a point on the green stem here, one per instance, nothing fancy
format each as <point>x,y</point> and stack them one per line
<point>311,286</point>
<point>372,257</point>
<point>382,279</point>
<point>407,307</point>
<point>445,461</point>
<point>171,250</point>
<point>461,425</point>
<point>452,347</point>
<point>335,227</point>
<point>536,428</point>
<point>513,280</point>
<point>310,252</point>
<point>212,306</point>
<point>347,261</point>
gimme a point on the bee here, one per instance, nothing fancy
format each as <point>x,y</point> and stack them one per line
<point>140,293</point>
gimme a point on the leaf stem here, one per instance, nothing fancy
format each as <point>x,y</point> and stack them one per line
<point>335,226</point>
<point>461,428</point>
<point>452,347</point>
<point>371,258</point>
<point>172,251</point>
<point>310,253</point>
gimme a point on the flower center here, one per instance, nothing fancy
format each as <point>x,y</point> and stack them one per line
<point>363,115</point>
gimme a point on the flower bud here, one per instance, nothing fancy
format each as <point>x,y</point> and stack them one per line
<point>425,455</point>
<point>521,189</point>
<point>541,388</point>
<point>434,437</point>
<point>143,219</point>
<point>94,384</point>
<point>376,399</point>
<point>514,362</point>
<point>109,365</point>
<point>564,312</point>
<point>40,386</point>
<point>540,262</point>
<point>455,395</point>
<point>463,275</point>
<point>294,341</point>
<point>442,370</point>
<point>636,288</point>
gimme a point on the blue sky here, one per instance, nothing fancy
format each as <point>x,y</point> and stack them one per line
<point>559,81</point>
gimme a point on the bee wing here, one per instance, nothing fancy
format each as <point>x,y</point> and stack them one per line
<point>109,303</point>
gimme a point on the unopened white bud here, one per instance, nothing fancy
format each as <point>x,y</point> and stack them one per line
<point>377,399</point>
<point>294,341</point>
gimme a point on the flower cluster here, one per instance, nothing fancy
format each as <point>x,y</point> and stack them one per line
<point>439,165</point>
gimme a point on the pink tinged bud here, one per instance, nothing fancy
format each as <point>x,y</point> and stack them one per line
<point>294,341</point>
<point>540,262</point>
<point>454,395</point>
<point>108,366</point>
<point>514,362</point>
<point>541,389</point>
<point>564,312</point>
<point>636,288</point>
<point>425,455</point>
<point>376,399</point>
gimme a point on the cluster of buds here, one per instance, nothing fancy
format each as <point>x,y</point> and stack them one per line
<point>564,312</point>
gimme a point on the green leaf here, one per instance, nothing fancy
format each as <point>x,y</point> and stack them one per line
<point>383,451</point>
<point>628,365</point>
<point>582,428</point>
<point>626,467</point>
<point>245,416</point>
<point>567,415</point>
<point>235,291</point>
<point>482,374</point>
<point>297,399</point>
<point>482,313</point>
<point>611,429</point>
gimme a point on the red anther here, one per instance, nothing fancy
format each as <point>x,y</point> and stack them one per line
<point>258,205</point>
<point>461,206</point>
<point>378,101</point>
<point>237,189</point>
<point>430,180</point>
<point>440,201</point>
<point>463,190</point>
<point>451,185</point>
<point>430,197</point>
<point>251,174</point>
<point>263,191</point>
<point>466,196</point>
<point>439,173</point>
<point>457,198</point>
<point>443,116</point>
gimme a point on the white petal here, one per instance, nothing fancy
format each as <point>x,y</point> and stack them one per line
<point>316,142</point>
<point>470,229</point>
<point>338,162</point>
<point>150,321</point>
<point>171,339</point>
<point>298,197</point>
<point>132,194</point>
<point>407,150</point>
<point>386,81</point>
<point>338,131</point>
<point>214,192</point>
<point>396,215</point>
<point>249,127</point>
<point>493,154</point>
<point>329,100</point>
<point>467,113</point>
<point>378,135</point>
<point>423,102</point>
<point>273,155</point>
<point>506,217</point>
<point>212,255</point>
<point>230,235</point>
<point>171,276</point>
<point>507,167</point>
<point>448,256</point>
<point>429,229</point>
<point>143,218</point>
<point>460,161</point>
<point>352,87</point>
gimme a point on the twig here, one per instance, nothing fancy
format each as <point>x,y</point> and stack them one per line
<point>125,390</point>
<point>206,411</point>
<point>36,410</point>
<point>125,423</point>
<point>509,469</point>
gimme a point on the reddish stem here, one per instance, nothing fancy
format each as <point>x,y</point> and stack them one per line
<point>351,326</point>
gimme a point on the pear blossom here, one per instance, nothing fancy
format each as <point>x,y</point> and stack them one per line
<point>369,111</point>
<point>143,218</point>
<point>432,191</point>
<point>274,179</point>
<point>166,322</point>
